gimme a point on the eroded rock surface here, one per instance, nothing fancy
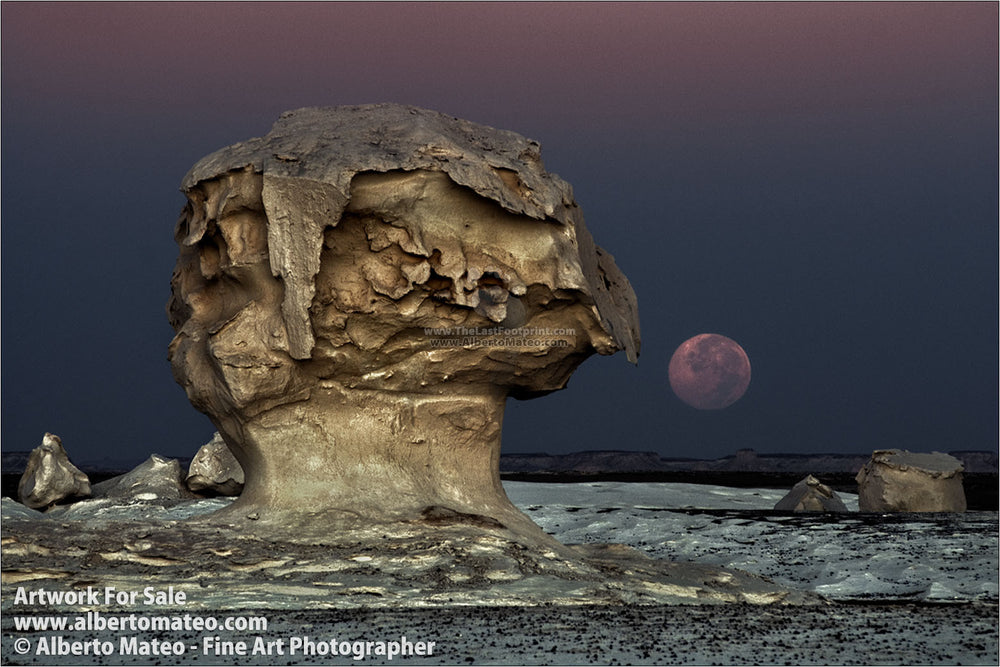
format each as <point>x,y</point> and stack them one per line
<point>49,477</point>
<point>438,562</point>
<point>811,495</point>
<point>359,291</point>
<point>214,470</point>
<point>896,480</point>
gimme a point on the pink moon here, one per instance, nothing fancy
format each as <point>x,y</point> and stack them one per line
<point>709,372</point>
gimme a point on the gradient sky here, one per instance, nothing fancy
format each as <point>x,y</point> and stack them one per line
<point>817,181</point>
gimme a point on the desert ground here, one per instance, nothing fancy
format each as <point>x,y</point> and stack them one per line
<point>878,589</point>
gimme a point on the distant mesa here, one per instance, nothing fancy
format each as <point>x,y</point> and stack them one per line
<point>340,301</point>
<point>615,461</point>
<point>709,371</point>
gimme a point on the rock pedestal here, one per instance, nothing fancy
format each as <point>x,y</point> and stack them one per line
<point>359,291</point>
<point>811,495</point>
<point>896,480</point>
<point>49,477</point>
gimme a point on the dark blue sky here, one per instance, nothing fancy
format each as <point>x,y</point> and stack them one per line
<point>817,181</point>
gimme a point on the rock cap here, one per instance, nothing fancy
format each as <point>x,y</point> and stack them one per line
<point>935,464</point>
<point>311,155</point>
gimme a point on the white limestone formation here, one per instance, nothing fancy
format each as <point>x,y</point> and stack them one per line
<point>359,291</point>
<point>811,495</point>
<point>157,480</point>
<point>49,477</point>
<point>214,470</point>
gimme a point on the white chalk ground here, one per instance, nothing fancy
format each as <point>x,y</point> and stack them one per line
<point>846,556</point>
<point>908,589</point>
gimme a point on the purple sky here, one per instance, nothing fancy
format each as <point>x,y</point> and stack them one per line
<point>817,181</point>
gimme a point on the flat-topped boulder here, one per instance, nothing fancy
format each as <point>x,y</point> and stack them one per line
<point>896,480</point>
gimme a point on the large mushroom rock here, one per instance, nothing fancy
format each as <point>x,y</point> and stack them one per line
<point>215,470</point>
<point>896,480</point>
<point>157,480</point>
<point>811,495</point>
<point>359,291</point>
<point>49,477</point>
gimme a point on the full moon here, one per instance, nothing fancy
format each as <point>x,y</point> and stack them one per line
<point>709,372</point>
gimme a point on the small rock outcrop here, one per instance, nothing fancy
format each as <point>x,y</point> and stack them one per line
<point>157,480</point>
<point>49,477</point>
<point>214,470</point>
<point>896,480</point>
<point>359,291</point>
<point>811,495</point>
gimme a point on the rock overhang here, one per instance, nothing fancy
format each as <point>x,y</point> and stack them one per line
<point>310,159</point>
